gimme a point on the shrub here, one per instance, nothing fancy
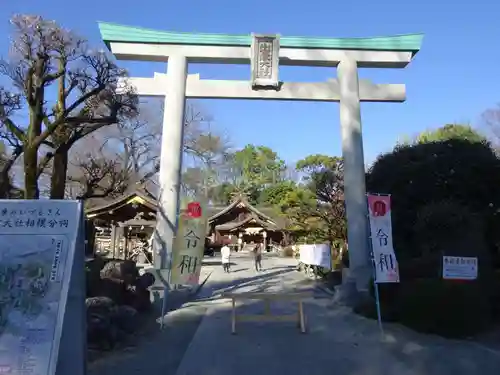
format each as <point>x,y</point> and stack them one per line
<point>423,300</point>
<point>453,309</point>
<point>446,228</point>
<point>448,308</point>
<point>445,199</point>
<point>421,174</point>
<point>447,224</point>
<point>288,252</point>
<point>496,296</point>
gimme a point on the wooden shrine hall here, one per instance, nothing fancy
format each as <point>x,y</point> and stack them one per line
<point>121,227</point>
<point>245,225</point>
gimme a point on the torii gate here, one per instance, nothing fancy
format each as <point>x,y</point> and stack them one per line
<point>265,53</point>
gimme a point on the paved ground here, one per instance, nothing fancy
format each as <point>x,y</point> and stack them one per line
<point>197,339</point>
<point>160,352</point>
<point>157,351</point>
<point>338,342</point>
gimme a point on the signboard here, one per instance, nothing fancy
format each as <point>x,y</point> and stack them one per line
<point>316,255</point>
<point>189,245</point>
<point>460,268</point>
<point>385,262</point>
<point>37,251</point>
<point>265,61</point>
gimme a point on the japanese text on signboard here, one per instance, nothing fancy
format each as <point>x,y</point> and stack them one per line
<point>189,245</point>
<point>39,218</point>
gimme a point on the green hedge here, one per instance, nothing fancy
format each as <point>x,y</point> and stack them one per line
<point>445,199</point>
<point>464,172</point>
<point>448,308</point>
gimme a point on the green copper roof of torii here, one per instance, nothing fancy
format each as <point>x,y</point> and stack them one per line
<point>111,32</point>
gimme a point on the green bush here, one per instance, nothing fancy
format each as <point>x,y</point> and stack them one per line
<point>467,173</point>
<point>448,308</point>
<point>423,300</point>
<point>445,199</point>
<point>496,296</point>
<point>447,228</point>
<point>448,225</point>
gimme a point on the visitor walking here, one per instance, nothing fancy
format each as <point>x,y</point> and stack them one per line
<point>257,253</point>
<point>225,253</point>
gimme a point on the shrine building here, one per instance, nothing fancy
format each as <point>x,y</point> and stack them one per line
<point>122,227</point>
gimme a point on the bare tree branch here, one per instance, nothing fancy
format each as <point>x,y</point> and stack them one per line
<point>44,55</point>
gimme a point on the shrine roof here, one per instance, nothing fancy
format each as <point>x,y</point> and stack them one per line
<point>265,214</point>
<point>251,219</point>
<point>99,206</point>
<point>238,202</point>
<point>111,32</point>
<point>138,193</point>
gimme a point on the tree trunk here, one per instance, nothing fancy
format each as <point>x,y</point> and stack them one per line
<point>4,185</point>
<point>31,190</point>
<point>5,182</point>
<point>59,174</point>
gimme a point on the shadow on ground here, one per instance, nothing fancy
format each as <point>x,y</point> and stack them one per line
<point>338,340</point>
<point>261,281</point>
<point>238,270</point>
<point>157,351</point>
<point>215,263</point>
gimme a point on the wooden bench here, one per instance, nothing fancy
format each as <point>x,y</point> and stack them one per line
<point>267,297</point>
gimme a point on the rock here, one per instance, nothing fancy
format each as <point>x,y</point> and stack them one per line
<point>142,300</point>
<point>93,268</point>
<point>125,270</point>
<point>101,305</point>
<point>114,289</point>
<point>134,294</point>
<point>145,281</point>
<point>125,318</point>
<point>138,298</point>
<point>101,332</point>
<point>119,294</point>
<point>137,295</point>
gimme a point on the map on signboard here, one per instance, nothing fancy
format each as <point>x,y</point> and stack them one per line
<point>37,247</point>
<point>31,271</point>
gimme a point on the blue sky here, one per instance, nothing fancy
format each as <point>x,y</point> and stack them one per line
<point>454,78</point>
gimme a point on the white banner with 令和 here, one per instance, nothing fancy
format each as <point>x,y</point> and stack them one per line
<point>385,262</point>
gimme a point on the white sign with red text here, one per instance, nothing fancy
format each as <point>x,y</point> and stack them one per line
<point>385,262</point>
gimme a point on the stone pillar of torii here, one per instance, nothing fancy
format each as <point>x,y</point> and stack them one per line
<point>265,56</point>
